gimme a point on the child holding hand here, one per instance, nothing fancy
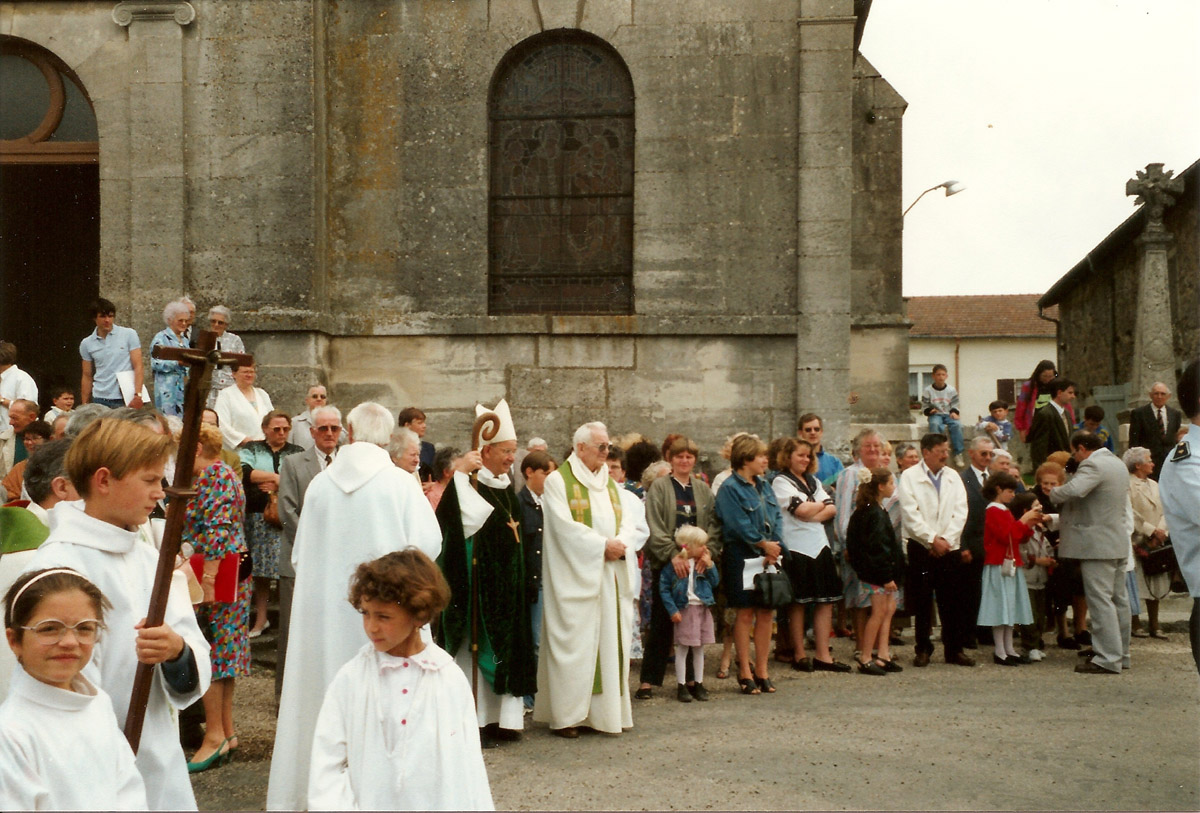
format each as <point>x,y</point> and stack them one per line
<point>687,601</point>
<point>60,746</point>
<point>1005,597</point>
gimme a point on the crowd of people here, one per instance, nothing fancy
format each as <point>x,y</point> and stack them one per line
<point>496,582</point>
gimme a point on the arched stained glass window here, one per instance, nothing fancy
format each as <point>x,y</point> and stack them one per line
<point>561,188</point>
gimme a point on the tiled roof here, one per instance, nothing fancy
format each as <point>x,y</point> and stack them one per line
<point>1006,315</point>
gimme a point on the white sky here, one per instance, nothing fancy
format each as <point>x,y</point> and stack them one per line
<point>1043,108</point>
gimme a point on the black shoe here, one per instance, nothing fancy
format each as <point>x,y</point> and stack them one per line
<point>830,666</point>
<point>1090,668</point>
<point>1021,657</point>
<point>802,665</point>
<point>507,734</point>
<point>682,694</point>
<point>1084,638</point>
<point>921,659</point>
<point>1005,661</point>
<point>698,691</point>
<point>643,694</point>
<point>1067,642</point>
<point>870,668</point>
<point>486,740</point>
<point>891,666</point>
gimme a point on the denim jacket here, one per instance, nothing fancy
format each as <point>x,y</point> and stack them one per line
<point>674,589</point>
<point>749,514</point>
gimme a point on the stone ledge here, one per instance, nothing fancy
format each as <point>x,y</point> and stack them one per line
<point>427,324</point>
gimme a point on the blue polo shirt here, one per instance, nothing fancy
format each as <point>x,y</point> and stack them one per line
<point>109,356</point>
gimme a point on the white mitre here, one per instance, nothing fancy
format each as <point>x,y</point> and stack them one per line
<point>507,430</point>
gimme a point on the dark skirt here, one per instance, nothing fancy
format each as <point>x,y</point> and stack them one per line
<point>731,576</point>
<point>1064,584</point>
<point>814,581</point>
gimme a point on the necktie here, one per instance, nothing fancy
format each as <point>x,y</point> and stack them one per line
<point>983,479</point>
<point>1162,420</point>
<point>328,459</point>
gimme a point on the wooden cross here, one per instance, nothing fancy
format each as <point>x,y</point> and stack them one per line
<point>201,359</point>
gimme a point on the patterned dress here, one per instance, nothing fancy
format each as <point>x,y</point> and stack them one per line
<point>170,377</point>
<point>214,528</point>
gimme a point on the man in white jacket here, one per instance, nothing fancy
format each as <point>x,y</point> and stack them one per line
<point>360,508</point>
<point>933,512</point>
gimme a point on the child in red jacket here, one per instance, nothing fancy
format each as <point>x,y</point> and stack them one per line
<point>1005,598</point>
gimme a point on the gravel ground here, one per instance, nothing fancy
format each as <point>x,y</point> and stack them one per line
<point>1037,737</point>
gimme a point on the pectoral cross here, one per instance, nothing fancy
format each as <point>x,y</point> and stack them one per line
<point>202,359</point>
<point>516,529</point>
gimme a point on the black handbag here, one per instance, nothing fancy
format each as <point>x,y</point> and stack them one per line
<point>1159,560</point>
<point>772,589</point>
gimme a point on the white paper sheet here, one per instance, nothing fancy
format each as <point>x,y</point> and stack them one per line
<point>750,569</point>
<point>125,382</point>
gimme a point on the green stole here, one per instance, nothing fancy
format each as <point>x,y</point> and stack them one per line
<point>581,511</point>
<point>20,530</point>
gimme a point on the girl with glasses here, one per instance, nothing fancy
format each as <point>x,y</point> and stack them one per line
<point>60,747</point>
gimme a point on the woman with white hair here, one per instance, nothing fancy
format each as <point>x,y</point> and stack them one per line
<point>170,377</point>
<point>404,448</point>
<point>1149,531</point>
<point>222,377</point>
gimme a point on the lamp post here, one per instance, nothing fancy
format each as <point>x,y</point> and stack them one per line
<point>951,187</point>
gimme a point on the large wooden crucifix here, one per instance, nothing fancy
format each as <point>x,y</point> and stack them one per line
<point>201,360</point>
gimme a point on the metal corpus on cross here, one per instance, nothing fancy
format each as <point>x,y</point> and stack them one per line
<point>201,360</point>
<point>1156,189</point>
<point>485,428</point>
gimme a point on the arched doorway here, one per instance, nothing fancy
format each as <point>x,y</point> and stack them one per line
<point>49,212</point>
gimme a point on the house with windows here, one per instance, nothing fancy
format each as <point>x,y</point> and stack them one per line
<point>665,216</point>
<point>989,344</point>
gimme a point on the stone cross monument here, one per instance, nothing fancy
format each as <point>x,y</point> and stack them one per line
<point>1153,353</point>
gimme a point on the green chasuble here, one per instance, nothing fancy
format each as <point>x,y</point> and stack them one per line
<point>20,530</point>
<point>496,556</point>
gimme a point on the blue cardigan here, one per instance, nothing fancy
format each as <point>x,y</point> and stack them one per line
<point>674,589</point>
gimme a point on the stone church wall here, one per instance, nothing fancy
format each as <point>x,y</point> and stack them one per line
<point>321,168</point>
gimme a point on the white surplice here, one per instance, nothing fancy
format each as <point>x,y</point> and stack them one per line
<point>62,750</point>
<point>398,733</point>
<point>587,608</point>
<point>360,508</point>
<point>123,568</point>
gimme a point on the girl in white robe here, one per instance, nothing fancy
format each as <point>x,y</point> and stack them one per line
<point>60,746</point>
<point>397,730</point>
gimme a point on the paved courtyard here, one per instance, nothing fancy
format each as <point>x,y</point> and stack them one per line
<point>1037,737</point>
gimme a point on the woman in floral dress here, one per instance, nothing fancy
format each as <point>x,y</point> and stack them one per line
<point>214,530</point>
<point>170,377</point>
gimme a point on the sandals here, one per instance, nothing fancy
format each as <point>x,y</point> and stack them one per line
<point>765,685</point>
<point>723,674</point>
<point>643,694</point>
<point>748,686</point>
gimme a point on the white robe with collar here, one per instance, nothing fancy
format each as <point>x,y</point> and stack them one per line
<point>360,508</point>
<point>587,607</point>
<point>123,568</point>
<point>63,750</point>
<point>398,734</point>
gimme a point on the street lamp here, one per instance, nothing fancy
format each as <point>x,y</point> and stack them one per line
<point>951,187</point>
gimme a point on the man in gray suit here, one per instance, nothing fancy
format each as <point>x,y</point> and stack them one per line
<point>1097,522</point>
<point>295,474</point>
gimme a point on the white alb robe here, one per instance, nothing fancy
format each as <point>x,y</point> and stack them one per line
<point>398,734</point>
<point>123,568</point>
<point>62,750</point>
<point>360,508</point>
<point>587,608</point>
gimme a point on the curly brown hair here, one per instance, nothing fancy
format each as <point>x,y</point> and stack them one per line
<point>408,578</point>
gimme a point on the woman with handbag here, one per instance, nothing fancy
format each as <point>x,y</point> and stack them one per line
<point>809,560</point>
<point>1149,534</point>
<point>1005,597</point>
<point>261,460</point>
<point>213,528</point>
<point>751,521</point>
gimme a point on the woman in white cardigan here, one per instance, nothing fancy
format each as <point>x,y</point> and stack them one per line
<point>1149,531</point>
<point>241,408</point>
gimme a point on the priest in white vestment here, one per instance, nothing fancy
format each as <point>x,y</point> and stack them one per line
<point>360,508</point>
<point>589,576</point>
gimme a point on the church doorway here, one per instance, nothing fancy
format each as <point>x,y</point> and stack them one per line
<point>49,213</point>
